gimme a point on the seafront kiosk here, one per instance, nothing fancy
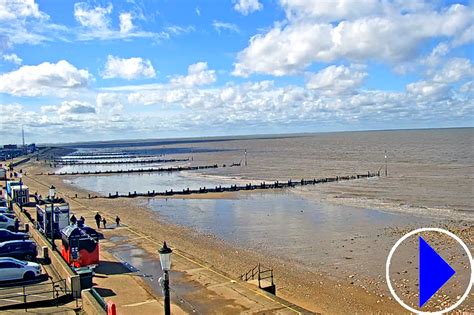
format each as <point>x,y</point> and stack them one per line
<point>20,194</point>
<point>80,246</point>
<point>60,219</point>
<point>16,191</point>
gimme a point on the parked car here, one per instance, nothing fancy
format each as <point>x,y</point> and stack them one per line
<point>25,249</point>
<point>6,222</point>
<point>4,210</point>
<point>14,269</point>
<point>9,215</point>
<point>6,235</point>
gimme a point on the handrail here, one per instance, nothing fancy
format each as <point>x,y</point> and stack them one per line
<point>20,294</point>
<point>257,271</point>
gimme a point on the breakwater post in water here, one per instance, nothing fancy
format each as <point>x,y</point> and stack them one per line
<point>232,188</point>
<point>76,162</point>
<point>141,170</point>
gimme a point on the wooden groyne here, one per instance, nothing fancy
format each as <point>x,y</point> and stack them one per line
<point>78,162</point>
<point>141,170</point>
<point>106,157</point>
<point>233,188</point>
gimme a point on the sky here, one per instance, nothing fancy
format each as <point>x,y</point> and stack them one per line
<point>136,69</point>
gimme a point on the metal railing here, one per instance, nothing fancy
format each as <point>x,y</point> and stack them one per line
<point>29,293</point>
<point>261,273</point>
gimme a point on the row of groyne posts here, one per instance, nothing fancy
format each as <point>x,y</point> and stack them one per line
<point>233,188</point>
<point>77,162</point>
<point>142,170</point>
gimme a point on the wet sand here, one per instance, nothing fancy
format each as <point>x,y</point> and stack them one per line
<point>312,287</point>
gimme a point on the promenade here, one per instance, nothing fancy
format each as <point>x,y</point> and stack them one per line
<point>129,271</point>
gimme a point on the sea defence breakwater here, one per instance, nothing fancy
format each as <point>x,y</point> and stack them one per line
<point>234,188</point>
<point>148,161</point>
<point>141,170</point>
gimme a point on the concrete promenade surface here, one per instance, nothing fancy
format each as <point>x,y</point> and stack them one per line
<point>129,271</point>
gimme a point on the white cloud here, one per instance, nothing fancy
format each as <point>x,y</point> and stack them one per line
<point>455,69</point>
<point>423,89</point>
<point>92,17</point>
<point>467,88</point>
<point>13,58</point>
<point>438,85</point>
<point>178,30</point>
<point>131,68</point>
<point>247,6</point>
<point>219,26</point>
<point>198,74</point>
<point>69,108</point>
<point>22,22</point>
<point>96,24</point>
<point>308,37</point>
<point>43,79</point>
<point>337,79</point>
<point>109,103</point>
<point>15,9</point>
<point>126,24</point>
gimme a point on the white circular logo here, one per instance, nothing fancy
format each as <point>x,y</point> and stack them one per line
<point>403,238</point>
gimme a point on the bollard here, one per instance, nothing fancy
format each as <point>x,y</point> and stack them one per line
<point>111,310</point>
<point>27,227</point>
<point>45,251</point>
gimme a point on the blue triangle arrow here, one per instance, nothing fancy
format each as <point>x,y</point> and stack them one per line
<point>434,271</point>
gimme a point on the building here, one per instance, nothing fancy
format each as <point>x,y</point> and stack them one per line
<point>59,221</point>
<point>20,194</point>
<point>11,151</point>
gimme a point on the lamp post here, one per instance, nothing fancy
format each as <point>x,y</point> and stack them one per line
<point>385,162</point>
<point>52,193</point>
<point>20,194</point>
<point>165,260</point>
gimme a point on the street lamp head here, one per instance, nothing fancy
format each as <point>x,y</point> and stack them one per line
<point>165,257</point>
<point>52,192</point>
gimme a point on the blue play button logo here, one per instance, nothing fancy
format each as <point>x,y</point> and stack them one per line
<point>443,277</point>
<point>434,271</point>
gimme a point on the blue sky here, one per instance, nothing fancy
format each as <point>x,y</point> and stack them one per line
<point>101,70</point>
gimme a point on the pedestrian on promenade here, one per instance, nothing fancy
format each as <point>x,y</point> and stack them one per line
<point>98,218</point>
<point>17,224</point>
<point>104,222</point>
<point>117,220</point>
<point>73,219</point>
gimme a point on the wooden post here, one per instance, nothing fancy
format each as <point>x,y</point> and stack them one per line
<point>259,276</point>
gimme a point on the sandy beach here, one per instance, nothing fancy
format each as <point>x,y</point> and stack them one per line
<point>311,287</point>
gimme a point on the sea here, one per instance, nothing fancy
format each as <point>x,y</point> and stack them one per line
<point>427,179</point>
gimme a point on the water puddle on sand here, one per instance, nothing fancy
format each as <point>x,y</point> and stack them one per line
<point>338,239</point>
<point>142,183</point>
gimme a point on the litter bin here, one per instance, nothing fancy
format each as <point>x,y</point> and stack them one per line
<point>85,274</point>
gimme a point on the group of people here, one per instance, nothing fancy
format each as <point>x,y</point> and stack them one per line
<point>98,219</point>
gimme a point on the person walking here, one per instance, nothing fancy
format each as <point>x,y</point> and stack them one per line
<point>73,220</point>
<point>104,222</point>
<point>98,218</point>
<point>117,220</point>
